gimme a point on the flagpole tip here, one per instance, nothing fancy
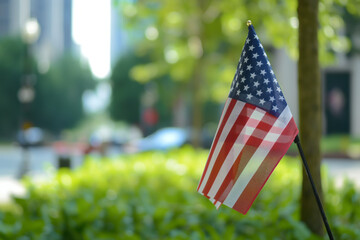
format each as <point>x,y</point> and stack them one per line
<point>248,22</point>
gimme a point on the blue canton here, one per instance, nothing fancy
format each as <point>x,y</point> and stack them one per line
<point>254,81</point>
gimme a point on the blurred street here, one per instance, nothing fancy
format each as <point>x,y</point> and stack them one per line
<point>41,159</point>
<point>44,160</point>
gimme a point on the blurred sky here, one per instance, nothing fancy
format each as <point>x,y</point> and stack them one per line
<point>91,31</point>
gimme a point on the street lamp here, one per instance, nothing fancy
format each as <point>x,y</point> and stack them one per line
<point>31,31</point>
<point>26,93</point>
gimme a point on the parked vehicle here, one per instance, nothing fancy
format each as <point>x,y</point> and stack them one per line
<point>163,139</point>
<point>33,136</point>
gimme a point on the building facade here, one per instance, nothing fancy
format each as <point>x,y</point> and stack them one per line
<point>55,22</point>
<point>340,92</point>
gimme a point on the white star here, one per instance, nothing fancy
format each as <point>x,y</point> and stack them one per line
<point>266,81</point>
<point>237,84</point>
<point>265,54</point>
<point>238,92</point>
<point>259,64</point>
<point>236,77</point>
<point>241,72</point>
<point>252,75</point>
<point>259,92</point>
<point>249,96</point>
<point>281,98</point>
<point>246,87</point>
<point>246,60</point>
<point>256,37</point>
<point>275,81</point>
<point>256,84</point>
<point>243,79</point>
<point>244,52</point>
<point>262,101</point>
<point>255,55</point>
<point>272,72</point>
<point>275,108</point>
<point>231,89</point>
<point>251,48</point>
<point>272,99</point>
<point>269,90</point>
<point>260,45</point>
<point>268,63</point>
<point>249,67</point>
<point>247,40</point>
<point>278,89</point>
<point>263,72</point>
<point>240,65</point>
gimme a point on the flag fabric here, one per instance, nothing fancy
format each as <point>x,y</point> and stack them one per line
<point>255,131</point>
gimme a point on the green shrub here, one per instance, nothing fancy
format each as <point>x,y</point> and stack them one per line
<point>153,196</point>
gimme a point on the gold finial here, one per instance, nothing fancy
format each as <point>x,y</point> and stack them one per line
<point>248,22</point>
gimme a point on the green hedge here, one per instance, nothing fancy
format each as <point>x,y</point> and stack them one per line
<point>153,196</point>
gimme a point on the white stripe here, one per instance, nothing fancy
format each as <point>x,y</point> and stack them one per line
<point>271,137</point>
<point>215,202</point>
<point>234,152</point>
<point>230,122</point>
<point>228,100</point>
<point>284,118</point>
<point>249,130</point>
<point>218,204</point>
<point>255,162</point>
<point>257,114</point>
<point>222,115</point>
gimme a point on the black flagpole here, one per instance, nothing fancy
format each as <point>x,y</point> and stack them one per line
<point>327,226</point>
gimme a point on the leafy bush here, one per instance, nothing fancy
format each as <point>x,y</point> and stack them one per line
<point>153,196</point>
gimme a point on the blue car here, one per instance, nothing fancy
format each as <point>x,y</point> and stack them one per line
<point>164,139</point>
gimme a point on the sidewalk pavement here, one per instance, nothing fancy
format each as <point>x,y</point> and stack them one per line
<point>342,169</point>
<point>10,186</point>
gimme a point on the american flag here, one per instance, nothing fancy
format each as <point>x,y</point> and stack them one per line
<point>255,131</point>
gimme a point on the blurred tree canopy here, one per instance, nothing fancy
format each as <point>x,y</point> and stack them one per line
<point>198,42</point>
<point>179,34</point>
<point>11,67</point>
<point>58,93</point>
<point>128,98</point>
<point>58,103</point>
<point>126,93</point>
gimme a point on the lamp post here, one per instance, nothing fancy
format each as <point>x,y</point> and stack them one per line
<point>26,93</point>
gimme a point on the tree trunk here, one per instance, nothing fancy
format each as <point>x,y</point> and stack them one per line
<point>310,110</point>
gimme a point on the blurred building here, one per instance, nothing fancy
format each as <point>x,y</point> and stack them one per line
<point>118,36</point>
<point>341,86</point>
<point>54,18</point>
<point>13,14</point>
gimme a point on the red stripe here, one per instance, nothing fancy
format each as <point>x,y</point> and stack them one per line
<point>245,155</point>
<point>228,143</point>
<point>259,179</point>
<point>221,127</point>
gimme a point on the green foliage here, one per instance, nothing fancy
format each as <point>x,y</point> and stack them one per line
<point>126,93</point>
<point>153,196</point>
<point>58,102</point>
<point>181,36</point>
<point>341,145</point>
<point>11,66</point>
<point>129,86</point>
<point>58,93</point>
